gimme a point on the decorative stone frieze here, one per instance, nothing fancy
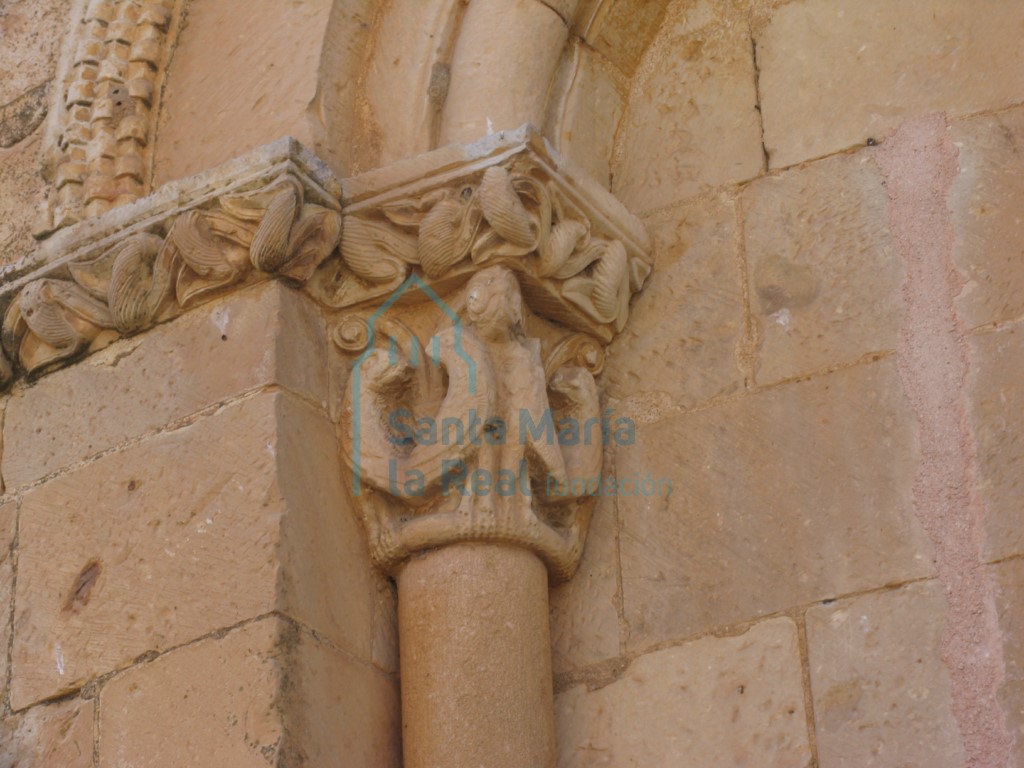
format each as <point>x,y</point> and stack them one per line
<point>101,131</point>
<point>238,224</point>
<point>444,215</point>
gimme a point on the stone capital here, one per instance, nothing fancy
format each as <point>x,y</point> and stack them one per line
<point>482,423</point>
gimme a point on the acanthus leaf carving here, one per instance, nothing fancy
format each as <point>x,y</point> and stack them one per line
<point>53,320</point>
<point>577,255</point>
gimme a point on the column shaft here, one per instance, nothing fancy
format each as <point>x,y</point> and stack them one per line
<point>476,659</point>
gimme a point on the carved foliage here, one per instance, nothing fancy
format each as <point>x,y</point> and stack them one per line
<point>149,276</point>
<point>518,219</point>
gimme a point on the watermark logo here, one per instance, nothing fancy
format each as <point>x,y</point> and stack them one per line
<point>414,281</point>
<point>478,444</point>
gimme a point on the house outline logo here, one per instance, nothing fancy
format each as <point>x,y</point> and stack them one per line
<point>413,281</point>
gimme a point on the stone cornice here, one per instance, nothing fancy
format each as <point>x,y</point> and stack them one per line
<point>506,200</point>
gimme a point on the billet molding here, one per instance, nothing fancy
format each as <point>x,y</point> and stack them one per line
<point>98,148</point>
<point>507,200</point>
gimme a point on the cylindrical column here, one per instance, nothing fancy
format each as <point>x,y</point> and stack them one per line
<point>476,659</point>
<point>502,68</point>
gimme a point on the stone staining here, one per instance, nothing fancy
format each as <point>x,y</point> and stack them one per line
<point>105,117</point>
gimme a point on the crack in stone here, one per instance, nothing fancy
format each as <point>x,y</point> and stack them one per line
<point>757,96</point>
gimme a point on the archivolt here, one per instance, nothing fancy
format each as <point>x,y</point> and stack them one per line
<point>433,72</point>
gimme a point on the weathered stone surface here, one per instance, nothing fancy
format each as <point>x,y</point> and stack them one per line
<point>244,74</point>
<point>824,285</point>
<point>265,335</point>
<point>22,116</point>
<point>31,31</point>
<point>262,694</point>
<point>8,526</point>
<point>325,578</point>
<point>696,290</point>
<point>476,658</point>
<point>385,624</point>
<point>22,195</point>
<point>58,734</point>
<point>753,523</point>
<point>1009,577</point>
<point>881,691</point>
<point>591,111</point>
<point>997,419</point>
<point>113,557</point>
<point>985,202</point>
<point>501,68</point>
<point>406,36</point>
<point>691,123</point>
<point>339,712</point>
<point>835,73</point>
<point>715,701</point>
<point>624,29</point>
<point>584,612</point>
<point>564,8</point>
<point>212,703</point>
<point>411,498</point>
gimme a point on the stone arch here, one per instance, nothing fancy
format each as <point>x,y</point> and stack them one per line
<point>424,73</point>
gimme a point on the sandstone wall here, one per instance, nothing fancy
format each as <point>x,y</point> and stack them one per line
<point>824,363</point>
<point>188,584</point>
<point>831,580</point>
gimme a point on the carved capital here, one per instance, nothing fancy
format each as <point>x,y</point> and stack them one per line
<point>507,200</point>
<point>486,281</point>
